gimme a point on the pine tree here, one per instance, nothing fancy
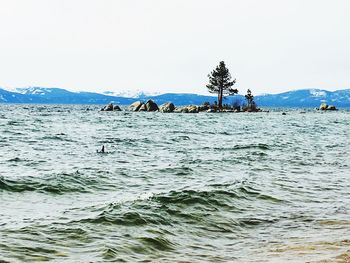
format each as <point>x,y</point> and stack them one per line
<point>220,82</point>
<point>251,106</point>
<point>250,98</point>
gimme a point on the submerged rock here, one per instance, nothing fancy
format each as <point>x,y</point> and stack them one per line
<point>167,107</point>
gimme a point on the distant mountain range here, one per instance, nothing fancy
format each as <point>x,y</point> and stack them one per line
<point>296,98</point>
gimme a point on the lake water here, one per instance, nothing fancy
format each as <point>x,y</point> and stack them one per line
<point>258,187</point>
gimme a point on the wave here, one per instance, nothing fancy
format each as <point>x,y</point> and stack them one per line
<point>56,183</point>
<point>258,146</point>
<point>186,207</point>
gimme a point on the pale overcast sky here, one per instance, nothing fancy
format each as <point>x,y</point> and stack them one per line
<point>171,45</point>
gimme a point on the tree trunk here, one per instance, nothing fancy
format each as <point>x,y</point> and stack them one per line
<point>220,98</point>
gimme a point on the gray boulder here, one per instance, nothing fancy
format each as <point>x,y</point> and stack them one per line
<point>108,107</point>
<point>151,106</point>
<point>203,107</point>
<point>184,110</point>
<point>178,110</point>
<point>116,108</point>
<point>323,106</point>
<point>187,109</point>
<point>143,107</point>
<point>111,107</point>
<point>167,107</point>
<point>192,109</point>
<point>135,106</point>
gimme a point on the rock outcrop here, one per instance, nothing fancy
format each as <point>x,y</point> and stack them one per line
<point>187,109</point>
<point>116,108</point>
<point>167,107</point>
<point>324,106</point>
<point>251,108</point>
<point>111,107</point>
<point>150,105</point>
<point>331,107</point>
<point>203,107</point>
<point>135,106</point>
<point>143,108</point>
<point>108,107</point>
<point>193,109</point>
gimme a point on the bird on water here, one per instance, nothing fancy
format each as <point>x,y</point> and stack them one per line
<point>102,149</point>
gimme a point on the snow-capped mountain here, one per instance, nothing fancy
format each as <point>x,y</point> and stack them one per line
<point>30,90</point>
<point>57,96</point>
<point>34,90</point>
<point>305,98</point>
<point>318,93</point>
<point>131,93</point>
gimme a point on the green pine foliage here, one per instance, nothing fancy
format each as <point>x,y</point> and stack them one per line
<point>220,82</point>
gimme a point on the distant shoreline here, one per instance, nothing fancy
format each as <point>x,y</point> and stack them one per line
<point>306,98</point>
<point>124,107</point>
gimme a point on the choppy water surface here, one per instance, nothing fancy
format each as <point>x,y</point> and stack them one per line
<point>173,187</point>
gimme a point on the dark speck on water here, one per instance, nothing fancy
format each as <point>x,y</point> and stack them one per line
<point>102,149</point>
<point>173,187</point>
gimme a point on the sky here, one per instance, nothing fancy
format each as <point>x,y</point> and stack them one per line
<point>163,46</point>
